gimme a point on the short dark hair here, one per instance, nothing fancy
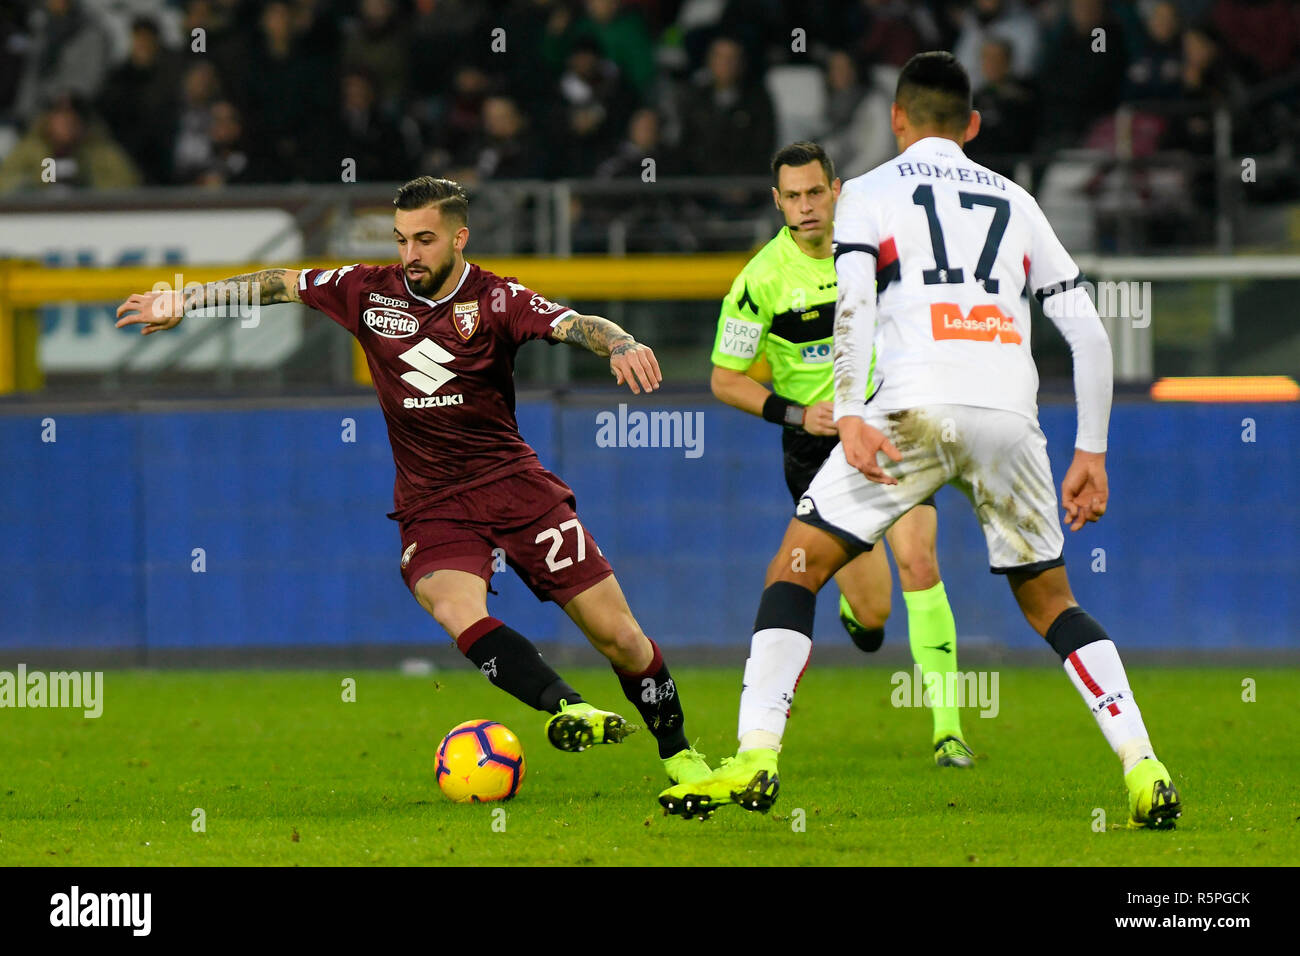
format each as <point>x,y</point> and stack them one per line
<point>801,154</point>
<point>934,91</point>
<point>447,194</point>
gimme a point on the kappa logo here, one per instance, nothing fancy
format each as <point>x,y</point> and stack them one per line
<point>406,556</point>
<point>386,300</point>
<point>489,668</point>
<point>805,507</point>
<point>653,693</point>
<point>465,318</point>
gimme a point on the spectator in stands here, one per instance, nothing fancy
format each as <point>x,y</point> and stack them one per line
<point>535,58</point>
<point>192,146</point>
<point>234,157</point>
<point>15,47</point>
<point>1155,73</point>
<point>506,148</point>
<point>727,120</point>
<point>289,99</point>
<point>892,31</point>
<point>450,31</point>
<point>455,123</point>
<point>378,41</point>
<point>1006,20</point>
<point>69,54</point>
<point>622,38</point>
<point>1261,38</point>
<point>382,150</point>
<point>644,141</point>
<point>139,101</point>
<point>67,147</point>
<point>1008,110</point>
<point>596,104</point>
<point>1205,83</point>
<point>754,24</point>
<point>857,133</point>
<point>1082,76</point>
<point>317,27</point>
<point>227,40</point>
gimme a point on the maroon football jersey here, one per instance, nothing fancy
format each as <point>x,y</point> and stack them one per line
<point>443,370</point>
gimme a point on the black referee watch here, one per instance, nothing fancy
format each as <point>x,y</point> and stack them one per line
<point>782,411</point>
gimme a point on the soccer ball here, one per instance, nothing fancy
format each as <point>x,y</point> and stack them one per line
<point>480,761</point>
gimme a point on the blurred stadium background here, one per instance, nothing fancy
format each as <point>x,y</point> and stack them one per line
<point>212,137</point>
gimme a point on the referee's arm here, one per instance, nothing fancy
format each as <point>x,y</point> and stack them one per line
<point>739,389</point>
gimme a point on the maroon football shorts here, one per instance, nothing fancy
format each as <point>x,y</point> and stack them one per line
<point>526,520</point>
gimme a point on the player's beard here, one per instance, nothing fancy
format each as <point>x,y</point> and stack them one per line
<point>431,281</point>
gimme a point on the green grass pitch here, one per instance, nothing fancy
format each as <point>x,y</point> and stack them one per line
<point>288,773</point>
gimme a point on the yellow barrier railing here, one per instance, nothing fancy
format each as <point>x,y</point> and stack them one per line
<point>28,285</point>
<point>705,276</point>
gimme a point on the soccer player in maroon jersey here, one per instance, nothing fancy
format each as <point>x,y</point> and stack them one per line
<point>440,336</point>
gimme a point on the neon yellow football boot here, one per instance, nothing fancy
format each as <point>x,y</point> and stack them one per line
<point>578,726</point>
<point>952,751</point>
<point>686,766</point>
<point>748,780</point>
<point>1153,800</point>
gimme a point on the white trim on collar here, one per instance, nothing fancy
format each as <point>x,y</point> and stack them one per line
<point>937,144</point>
<point>445,298</point>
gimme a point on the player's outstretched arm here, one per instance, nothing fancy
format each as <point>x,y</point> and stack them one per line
<point>629,360</point>
<point>158,311</point>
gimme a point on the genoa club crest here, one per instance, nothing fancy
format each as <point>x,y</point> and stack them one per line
<point>464,317</point>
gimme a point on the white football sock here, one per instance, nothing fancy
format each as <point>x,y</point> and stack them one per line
<point>777,656</point>
<point>1098,675</point>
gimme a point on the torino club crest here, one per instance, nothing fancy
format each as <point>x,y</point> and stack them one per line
<point>465,317</point>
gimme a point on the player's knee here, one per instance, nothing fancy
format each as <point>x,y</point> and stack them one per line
<point>799,568</point>
<point>917,570</point>
<point>872,613</point>
<point>621,641</point>
<point>454,612</point>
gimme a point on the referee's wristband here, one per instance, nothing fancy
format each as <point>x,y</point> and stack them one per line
<point>782,411</point>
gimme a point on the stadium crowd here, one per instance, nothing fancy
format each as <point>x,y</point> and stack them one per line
<point>213,92</point>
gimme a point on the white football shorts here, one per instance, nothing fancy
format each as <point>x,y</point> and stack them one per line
<point>997,458</point>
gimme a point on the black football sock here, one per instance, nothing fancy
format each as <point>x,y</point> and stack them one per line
<point>509,661</point>
<point>654,695</point>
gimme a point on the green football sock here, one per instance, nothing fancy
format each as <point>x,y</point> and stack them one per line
<point>932,632</point>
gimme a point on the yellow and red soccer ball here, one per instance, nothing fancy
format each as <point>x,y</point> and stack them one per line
<point>480,761</point>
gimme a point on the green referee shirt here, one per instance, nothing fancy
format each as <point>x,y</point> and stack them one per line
<point>782,307</point>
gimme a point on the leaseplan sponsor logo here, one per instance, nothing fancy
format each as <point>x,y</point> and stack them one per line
<point>102,909</point>
<point>391,323</point>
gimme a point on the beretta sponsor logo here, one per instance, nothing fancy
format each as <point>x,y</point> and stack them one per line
<point>391,323</point>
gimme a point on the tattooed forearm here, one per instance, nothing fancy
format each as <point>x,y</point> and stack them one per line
<point>266,287</point>
<point>594,334</point>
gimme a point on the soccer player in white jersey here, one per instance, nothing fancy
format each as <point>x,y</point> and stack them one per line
<point>937,255</point>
